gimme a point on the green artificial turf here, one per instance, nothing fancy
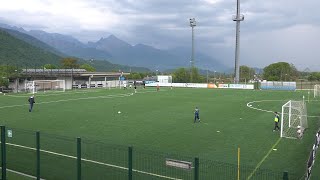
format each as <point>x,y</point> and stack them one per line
<point>157,125</point>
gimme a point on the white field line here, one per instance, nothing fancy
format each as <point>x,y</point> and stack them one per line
<point>22,174</point>
<point>75,99</point>
<point>92,161</point>
<point>263,159</point>
<point>84,98</point>
<point>49,94</point>
<point>64,93</point>
<point>249,105</point>
<point>143,92</point>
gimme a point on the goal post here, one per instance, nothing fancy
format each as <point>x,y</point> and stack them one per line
<point>45,86</point>
<point>316,90</point>
<point>293,119</point>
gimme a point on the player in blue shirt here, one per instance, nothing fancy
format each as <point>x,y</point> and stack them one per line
<point>196,115</point>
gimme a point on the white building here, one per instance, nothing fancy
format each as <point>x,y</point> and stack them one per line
<point>164,79</point>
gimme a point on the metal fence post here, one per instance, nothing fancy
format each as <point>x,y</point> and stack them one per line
<point>38,154</point>
<point>285,176</point>
<point>3,153</point>
<point>78,158</point>
<point>130,163</point>
<point>196,169</point>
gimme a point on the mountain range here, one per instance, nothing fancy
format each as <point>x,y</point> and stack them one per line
<point>118,51</point>
<point>19,49</point>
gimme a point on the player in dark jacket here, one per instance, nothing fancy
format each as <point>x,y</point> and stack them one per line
<point>196,115</point>
<point>31,102</point>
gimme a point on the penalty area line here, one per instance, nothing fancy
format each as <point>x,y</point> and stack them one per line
<point>249,105</point>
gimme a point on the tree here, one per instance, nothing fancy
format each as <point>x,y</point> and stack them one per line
<point>247,73</point>
<point>196,77</point>
<point>135,76</point>
<point>4,82</point>
<point>7,72</point>
<point>50,66</point>
<point>315,76</point>
<point>88,67</point>
<point>281,71</point>
<point>69,63</point>
<point>181,75</point>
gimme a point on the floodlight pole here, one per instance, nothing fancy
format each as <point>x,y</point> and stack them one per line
<point>238,17</point>
<point>192,25</point>
<point>207,77</point>
<point>72,78</point>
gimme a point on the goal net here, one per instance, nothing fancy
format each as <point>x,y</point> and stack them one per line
<point>316,90</point>
<point>45,86</point>
<point>293,119</point>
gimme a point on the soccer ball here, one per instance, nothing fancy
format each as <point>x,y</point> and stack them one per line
<point>119,112</point>
<point>299,131</point>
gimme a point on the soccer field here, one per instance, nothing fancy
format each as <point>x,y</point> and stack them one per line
<point>163,122</point>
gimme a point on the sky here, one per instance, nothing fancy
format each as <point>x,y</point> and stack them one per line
<point>273,30</point>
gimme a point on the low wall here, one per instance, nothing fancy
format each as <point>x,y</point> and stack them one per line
<point>236,86</point>
<point>278,85</point>
<point>186,85</point>
<point>199,85</point>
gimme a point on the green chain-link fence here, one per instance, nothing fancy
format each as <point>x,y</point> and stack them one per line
<point>45,156</point>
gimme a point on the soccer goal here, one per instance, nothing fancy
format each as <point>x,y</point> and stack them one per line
<point>316,90</point>
<point>293,119</point>
<point>45,86</point>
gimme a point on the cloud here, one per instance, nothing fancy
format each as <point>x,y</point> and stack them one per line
<point>295,45</point>
<point>165,24</point>
<point>59,14</point>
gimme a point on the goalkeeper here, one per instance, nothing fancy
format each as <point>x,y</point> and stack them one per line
<point>276,121</point>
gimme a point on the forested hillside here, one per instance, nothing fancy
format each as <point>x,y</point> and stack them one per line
<point>18,52</point>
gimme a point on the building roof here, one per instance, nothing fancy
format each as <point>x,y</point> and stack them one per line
<point>52,70</point>
<point>68,72</point>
